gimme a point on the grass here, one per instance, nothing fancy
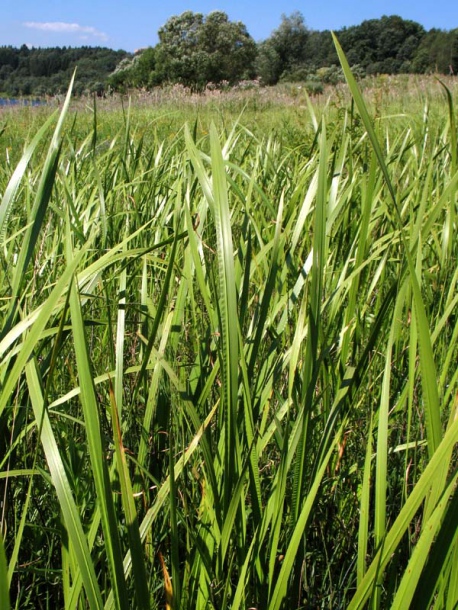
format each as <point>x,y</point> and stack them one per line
<point>227,356</point>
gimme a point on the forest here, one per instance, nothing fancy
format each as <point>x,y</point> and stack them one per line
<point>195,50</point>
<point>47,71</point>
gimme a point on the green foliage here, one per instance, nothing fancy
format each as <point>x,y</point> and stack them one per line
<point>438,52</point>
<point>136,72</point>
<point>382,45</point>
<point>47,71</point>
<point>389,45</point>
<point>194,50</point>
<point>228,357</point>
<point>285,50</point>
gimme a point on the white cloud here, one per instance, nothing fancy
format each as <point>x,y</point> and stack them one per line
<point>85,31</point>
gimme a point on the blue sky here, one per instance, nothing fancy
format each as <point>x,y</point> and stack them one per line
<point>133,24</point>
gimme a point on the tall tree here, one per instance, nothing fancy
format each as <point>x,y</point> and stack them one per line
<point>195,50</point>
<point>229,48</point>
<point>285,49</point>
<point>385,45</point>
<point>177,51</point>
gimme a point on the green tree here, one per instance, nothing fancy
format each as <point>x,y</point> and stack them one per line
<point>437,52</point>
<point>229,49</point>
<point>41,71</point>
<point>268,63</point>
<point>177,51</point>
<point>321,51</point>
<point>137,71</point>
<point>194,50</point>
<point>386,45</point>
<point>143,67</point>
<point>285,50</point>
<point>454,51</point>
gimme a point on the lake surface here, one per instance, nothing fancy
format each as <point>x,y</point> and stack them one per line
<point>13,101</point>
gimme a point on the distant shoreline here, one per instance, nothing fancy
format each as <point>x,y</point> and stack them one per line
<point>16,101</point>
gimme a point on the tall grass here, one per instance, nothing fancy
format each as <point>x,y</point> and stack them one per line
<point>228,364</point>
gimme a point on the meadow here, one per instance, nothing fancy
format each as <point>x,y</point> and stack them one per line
<point>228,350</point>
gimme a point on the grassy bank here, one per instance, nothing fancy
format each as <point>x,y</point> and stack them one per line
<point>228,352</point>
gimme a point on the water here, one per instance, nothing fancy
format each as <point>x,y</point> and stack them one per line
<point>13,101</point>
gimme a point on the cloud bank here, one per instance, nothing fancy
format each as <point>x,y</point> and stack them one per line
<point>84,31</point>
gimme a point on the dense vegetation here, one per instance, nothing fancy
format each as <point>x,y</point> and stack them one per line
<point>193,51</point>
<point>196,50</point>
<point>48,71</point>
<point>228,355</point>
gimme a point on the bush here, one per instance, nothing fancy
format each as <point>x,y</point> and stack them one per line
<point>314,87</point>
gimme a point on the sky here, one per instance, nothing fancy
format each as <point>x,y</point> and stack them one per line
<point>133,24</point>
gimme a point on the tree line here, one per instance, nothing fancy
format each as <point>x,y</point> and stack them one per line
<point>195,50</point>
<point>47,71</point>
